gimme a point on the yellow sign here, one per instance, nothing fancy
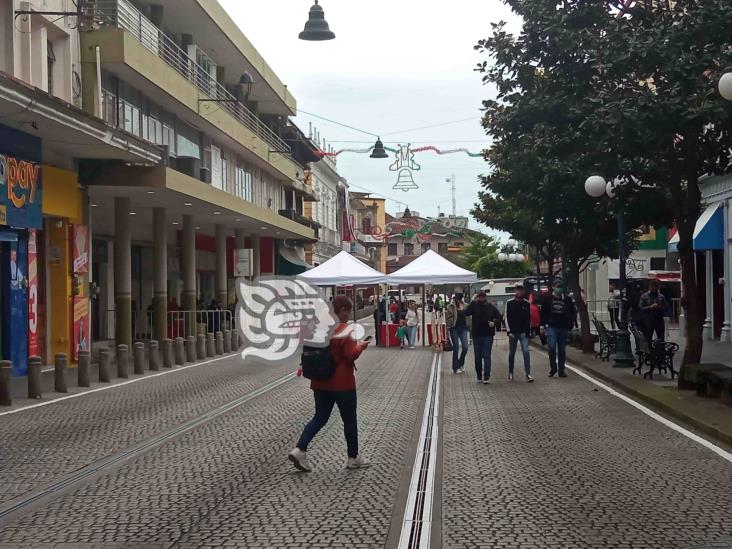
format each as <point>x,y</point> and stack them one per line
<point>3,215</point>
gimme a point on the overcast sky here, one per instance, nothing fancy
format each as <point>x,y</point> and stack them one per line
<point>394,66</point>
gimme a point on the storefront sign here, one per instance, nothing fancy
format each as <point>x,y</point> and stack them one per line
<point>81,325</point>
<point>81,249</point>
<point>243,260</point>
<point>20,192</point>
<point>34,348</point>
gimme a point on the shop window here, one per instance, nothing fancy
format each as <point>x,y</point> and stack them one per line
<point>408,248</point>
<point>393,249</point>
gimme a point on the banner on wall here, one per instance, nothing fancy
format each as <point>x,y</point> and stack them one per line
<point>81,249</point>
<point>34,348</point>
<point>81,325</point>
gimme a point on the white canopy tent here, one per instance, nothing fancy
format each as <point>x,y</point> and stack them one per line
<point>342,270</point>
<point>432,268</point>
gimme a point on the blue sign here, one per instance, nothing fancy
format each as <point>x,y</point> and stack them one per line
<point>20,193</point>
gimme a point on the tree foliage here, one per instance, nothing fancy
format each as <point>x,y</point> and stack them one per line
<point>582,90</point>
<point>481,257</point>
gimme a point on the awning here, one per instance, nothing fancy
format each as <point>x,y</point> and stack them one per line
<point>708,233</point>
<point>290,263</point>
<point>432,268</point>
<point>342,270</point>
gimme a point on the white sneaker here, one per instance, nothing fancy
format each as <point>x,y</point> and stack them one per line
<point>300,460</point>
<point>411,346</point>
<point>357,463</point>
<point>529,379</point>
<point>487,381</point>
<point>510,376</point>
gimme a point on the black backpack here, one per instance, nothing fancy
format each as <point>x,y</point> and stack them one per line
<point>317,363</point>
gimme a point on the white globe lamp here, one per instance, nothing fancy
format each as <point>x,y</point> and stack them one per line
<point>595,186</point>
<point>502,257</point>
<point>513,258</point>
<point>520,258</point>
<point>725,86</point>
<point>511,243</point>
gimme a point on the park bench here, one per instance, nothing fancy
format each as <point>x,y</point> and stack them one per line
<point>607,339</point>
<point>658,355</point>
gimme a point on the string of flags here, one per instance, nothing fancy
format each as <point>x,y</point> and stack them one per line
<point>430,148</point>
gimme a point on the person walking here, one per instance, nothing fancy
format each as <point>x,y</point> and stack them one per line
<point>412,318</point>
<point>340,389</point>
<point>379,317</point>
<point>557,318</point>
<point>653,306</point>
<point>613,307</point>
<point>485,318</point>
<point>518,328</point>
<point>457,324</point>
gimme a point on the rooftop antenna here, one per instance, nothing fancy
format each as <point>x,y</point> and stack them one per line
<point>454,204</point>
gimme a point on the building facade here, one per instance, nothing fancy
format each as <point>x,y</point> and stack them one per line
<point>364,229</point>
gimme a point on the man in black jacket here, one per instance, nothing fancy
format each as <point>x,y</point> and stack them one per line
<point>557,318</point>
<point>518,327</point>
<point>485,319</point>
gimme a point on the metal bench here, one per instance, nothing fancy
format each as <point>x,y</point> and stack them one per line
<point>658,355</point>
<point>607,339</point>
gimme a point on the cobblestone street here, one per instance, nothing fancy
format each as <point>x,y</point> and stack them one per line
<point>557,463</point>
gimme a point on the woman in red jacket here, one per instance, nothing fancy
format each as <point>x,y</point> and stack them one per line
<point>340,389</point>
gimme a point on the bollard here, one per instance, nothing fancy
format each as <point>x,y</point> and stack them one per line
<point>139,358</point>
<point>154,349</point>
<point>167,353</point>
<point>227,341</point>
<point>210,345</point>
<point>123,355</point>
<point>191,348</point>
<point>235,340</point>
<point>104,359</point>
<point>219,343</point>
<point>6,369</point>
<point>82,369</point>
<point>201,346</point>
<point>59,373</point>
<point>180,351</point>
<point>34,377</point>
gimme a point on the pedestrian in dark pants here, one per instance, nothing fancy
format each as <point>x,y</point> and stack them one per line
<point>653,306</point>
<point>557,318</point>
<point>613,307</point>
<point>457,324</point>
<point>518,327</point>
<point>379,317</point>
<point>485,318</point>
<point>339,390</point>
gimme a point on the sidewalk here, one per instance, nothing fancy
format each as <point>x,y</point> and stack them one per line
<point>708,416</point>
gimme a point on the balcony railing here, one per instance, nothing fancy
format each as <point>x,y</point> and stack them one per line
<point>123,15</point>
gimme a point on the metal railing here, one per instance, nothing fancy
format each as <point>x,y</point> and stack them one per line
<point>180,323</point>
<point>122,14</point>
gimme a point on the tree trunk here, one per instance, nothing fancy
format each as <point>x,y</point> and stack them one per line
<point>588,346</point>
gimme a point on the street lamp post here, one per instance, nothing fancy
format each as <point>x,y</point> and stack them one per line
<point>596,186</point>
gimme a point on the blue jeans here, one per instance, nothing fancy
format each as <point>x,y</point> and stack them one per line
<point>482,347</point>
<point>513,342</point>
<point>324,402</point>
<point>459,336</point>
<point>412,335</point>
<point>556,339</point>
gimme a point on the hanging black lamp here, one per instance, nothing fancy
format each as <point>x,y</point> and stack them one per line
<point>379,151</point>
<point>317,28</point>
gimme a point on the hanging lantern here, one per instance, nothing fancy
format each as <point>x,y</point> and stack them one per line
<point>316,28</point>
<point>379,151</point>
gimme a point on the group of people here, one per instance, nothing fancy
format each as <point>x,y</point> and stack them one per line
<point>647,311</point>
<point>556,315</point>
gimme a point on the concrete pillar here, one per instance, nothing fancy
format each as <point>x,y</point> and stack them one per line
<point>200,346</point>
<point>34,377</point>
<point>139,358</point>
<point>123,357</point>
<point>104,360</point>
<point>219,343</point>
<point>256,250</point>
<point>167,353</point>
<point>154,352</point>
<point>160,273</point>
<point>122,272</point>
<point>222,293</point>
<point>191,354</point>
<point>180,351</point>
<point>240,239</point>
<point>709,320</point>
<point>59,373</point>
<point>227,341</point>
<point>210,345</point>
<point>188,256</point>
<point>83,368</point>
<point>727,324</point>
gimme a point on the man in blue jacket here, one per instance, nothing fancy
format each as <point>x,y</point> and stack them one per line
<point>518,327</point>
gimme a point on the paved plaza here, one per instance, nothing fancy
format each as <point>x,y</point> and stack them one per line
<point>196,458</point>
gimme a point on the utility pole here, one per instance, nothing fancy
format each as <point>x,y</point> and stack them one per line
<point>454,204</point>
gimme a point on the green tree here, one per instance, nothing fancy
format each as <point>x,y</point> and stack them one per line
<point>481,257</point>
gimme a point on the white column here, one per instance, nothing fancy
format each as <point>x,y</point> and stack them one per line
<point>122,271</point>
<point>188,264</point>
<point>222,293</point>
<point>709,320</point>
<point>727,324</point>
<point>160,268</point>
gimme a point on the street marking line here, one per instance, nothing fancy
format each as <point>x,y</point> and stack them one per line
<point>417,525</point>
<point>108,387</point>
<point>721,452</point>
<point>17,505</point>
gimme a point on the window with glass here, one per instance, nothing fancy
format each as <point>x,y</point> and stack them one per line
<point>244,186</point>
<point>408,248</point>
<point>442,247</point>
<point>393,249</point>
<point>188,141</point>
